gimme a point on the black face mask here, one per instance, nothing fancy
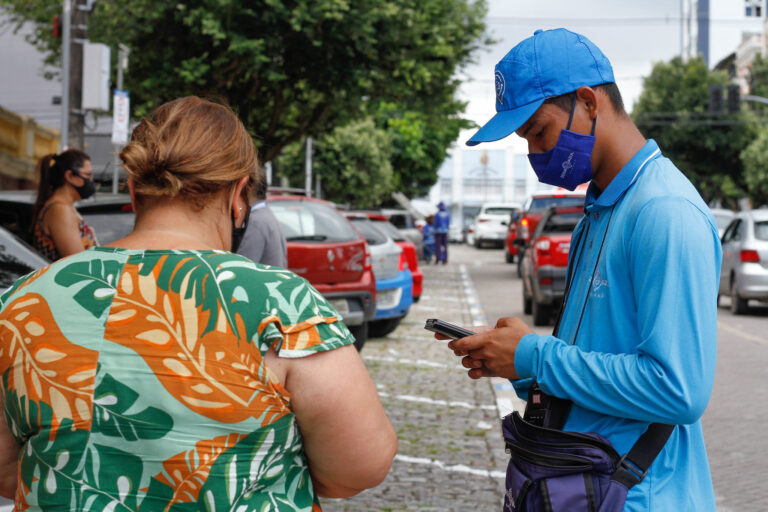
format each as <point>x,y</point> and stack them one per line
<point>87,189</point>
<point>239,233</point>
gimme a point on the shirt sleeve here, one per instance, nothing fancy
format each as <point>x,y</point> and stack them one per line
<point>674,258</point>
<point>301,322</point>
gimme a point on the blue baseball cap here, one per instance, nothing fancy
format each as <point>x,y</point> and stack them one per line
<point>550,63</point>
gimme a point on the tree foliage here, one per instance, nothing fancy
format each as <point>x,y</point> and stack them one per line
<point>290,68</point>
<point>353,162</point>
<point>673,110</point>
<point>755,159</point>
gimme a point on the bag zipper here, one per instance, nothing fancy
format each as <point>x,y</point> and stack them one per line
<point>540,459</point>
<point>585,440</point>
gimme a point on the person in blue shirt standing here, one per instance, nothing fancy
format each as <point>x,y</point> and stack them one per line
<point>636,340</point>
<point>442,226</point>
<point>428,239</point>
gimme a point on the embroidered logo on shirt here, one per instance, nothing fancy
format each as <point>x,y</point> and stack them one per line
<point>598,286</point>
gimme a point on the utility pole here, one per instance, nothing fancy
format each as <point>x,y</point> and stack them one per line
<point>308,169</point>
<point>78,16</point>
<point>66,35</point>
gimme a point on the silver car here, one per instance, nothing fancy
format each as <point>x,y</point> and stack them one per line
<point>744,274</point>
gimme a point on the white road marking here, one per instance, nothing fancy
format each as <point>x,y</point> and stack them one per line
<point>457,468</point>
<point>743,334</point>
<point>418,362</point>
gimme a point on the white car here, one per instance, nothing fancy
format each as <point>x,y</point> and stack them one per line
<point>490,225</point>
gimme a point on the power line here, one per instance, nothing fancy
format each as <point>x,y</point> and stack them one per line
<point>666,20</point>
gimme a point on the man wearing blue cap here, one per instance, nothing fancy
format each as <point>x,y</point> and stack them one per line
<point>635,343</point>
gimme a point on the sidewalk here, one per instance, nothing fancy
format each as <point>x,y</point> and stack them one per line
<point>451,453</point>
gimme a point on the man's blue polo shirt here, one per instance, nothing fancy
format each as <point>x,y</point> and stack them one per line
<point>637,340</point>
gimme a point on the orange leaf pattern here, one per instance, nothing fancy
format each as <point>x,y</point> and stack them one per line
<point>43,366</point>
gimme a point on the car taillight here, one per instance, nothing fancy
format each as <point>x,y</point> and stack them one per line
<point>546,280</point>
<point>368,263</point>
<point>524,223</point>
<point>483,220</point>
<point>403,262</point>
<point>749,256</point>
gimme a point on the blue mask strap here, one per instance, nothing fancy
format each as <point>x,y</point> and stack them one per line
<point>570,118</point>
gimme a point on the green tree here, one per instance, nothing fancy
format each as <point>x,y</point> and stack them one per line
<point>290,68</point>
<point>353,162</point>
<point>758,79</point>
<point>419,143</point>
<point>673,110</point>
<point>755,160</point>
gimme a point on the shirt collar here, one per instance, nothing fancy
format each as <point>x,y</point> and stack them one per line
<point>624,179</point>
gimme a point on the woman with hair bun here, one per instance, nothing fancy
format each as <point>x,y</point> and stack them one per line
<point>164,372</point>
<point>58,229</point>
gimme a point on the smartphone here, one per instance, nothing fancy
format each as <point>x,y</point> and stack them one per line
<point>447,329</point>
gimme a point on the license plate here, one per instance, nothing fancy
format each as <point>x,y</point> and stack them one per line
<point>341,306</point>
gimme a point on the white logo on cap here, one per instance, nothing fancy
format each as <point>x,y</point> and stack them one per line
<point>500,86</point>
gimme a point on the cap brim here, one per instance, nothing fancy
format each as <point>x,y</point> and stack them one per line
<point>504,123</point>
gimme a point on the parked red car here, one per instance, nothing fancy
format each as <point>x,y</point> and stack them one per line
<point>545,263</point>
<point>520,229</point>
<point>409,258</point>
<point>325,249</point>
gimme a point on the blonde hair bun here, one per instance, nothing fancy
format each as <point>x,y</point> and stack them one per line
<point>189,146</point>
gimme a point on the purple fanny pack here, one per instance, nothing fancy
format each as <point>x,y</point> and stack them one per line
<point>556,471</point>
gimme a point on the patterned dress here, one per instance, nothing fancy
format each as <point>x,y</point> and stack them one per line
<point>135,380</point>
<point>44,244</point>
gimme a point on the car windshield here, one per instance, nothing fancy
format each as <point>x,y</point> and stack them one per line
<point>16,259</point>
<point>542,203</point>
<point>561,223</point>
<point>761,230</point>
<point>499,210</point>
<point>372,235</point>
<point>308,221</point>
<point>723,219</point>
<point>401,220</point>
<point>389,229</point>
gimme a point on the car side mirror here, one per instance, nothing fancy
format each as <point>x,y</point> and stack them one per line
<point>504,223</point>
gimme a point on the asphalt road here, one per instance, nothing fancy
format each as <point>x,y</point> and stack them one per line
<point>735,419</point>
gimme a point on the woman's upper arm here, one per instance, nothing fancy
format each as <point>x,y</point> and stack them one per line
<point>348,438</point>
<point>63,225</point>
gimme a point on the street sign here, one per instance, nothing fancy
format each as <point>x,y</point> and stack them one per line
<point>121,110</point>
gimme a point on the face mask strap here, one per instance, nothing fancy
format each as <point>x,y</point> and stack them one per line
<point>570,118</point>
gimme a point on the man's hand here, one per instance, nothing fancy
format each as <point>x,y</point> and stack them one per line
<point>492,353</point>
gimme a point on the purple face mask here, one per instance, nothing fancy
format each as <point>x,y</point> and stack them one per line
<point>569,163</point>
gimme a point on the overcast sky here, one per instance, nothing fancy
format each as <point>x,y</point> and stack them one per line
<point>632,34</point>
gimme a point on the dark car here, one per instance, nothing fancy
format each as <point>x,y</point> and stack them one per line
<point>325,249</point>
<point>17,259</point>
<point>545,262</point>
<point>521,227</point>
<point>110,215</point>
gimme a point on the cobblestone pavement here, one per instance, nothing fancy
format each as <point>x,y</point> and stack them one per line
<point>451,453</point>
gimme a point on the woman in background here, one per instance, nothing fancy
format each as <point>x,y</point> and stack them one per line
<point>58,229</point>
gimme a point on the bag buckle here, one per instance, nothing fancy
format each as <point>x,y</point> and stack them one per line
<point>631,469</point>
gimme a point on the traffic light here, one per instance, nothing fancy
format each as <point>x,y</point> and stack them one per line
<point>734,96</point>
<point>716,98</point>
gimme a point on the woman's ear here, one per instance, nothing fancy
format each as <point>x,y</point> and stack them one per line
<point>239,200</point>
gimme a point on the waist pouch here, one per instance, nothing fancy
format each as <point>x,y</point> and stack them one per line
<point>557,471</point>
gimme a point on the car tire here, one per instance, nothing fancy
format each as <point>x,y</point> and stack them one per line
<point>360,332</point>
<point>542,313</point>
<point>738,304</point>
<point>527,302</point>
<point>509,257</point>
<point>520,254</point>
<point>380,328</point>
<point>478,243</point>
